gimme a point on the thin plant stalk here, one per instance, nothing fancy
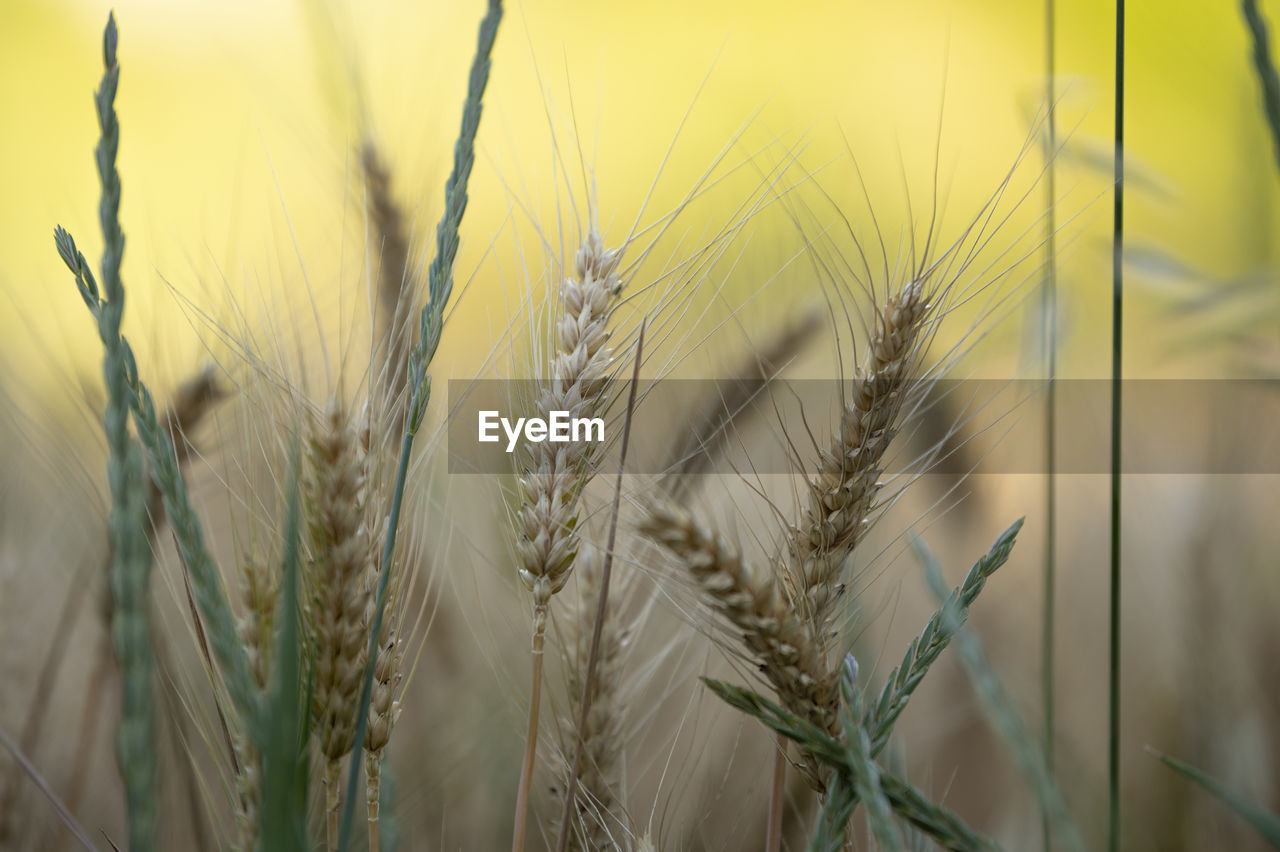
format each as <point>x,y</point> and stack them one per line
<point>64,813</point>
<point>593,656</point>
<point>773,830</point>
<point>439,288</point>
<point>530,745</point>
<point>1266,69</point>
<point>1050,337</point>
<point>1117,328</point>
<point>130,550</point>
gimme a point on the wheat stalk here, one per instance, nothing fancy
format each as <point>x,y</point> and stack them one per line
<point>338,575</point>
<point>397,287</point>
<point>554,475</point>
<point>384,710</point>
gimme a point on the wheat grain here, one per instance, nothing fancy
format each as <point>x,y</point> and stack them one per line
<point>843,494</point>
<point>555,474</point>
<point>601,737</point>
<point>752,600</point>
<point>339,571</point>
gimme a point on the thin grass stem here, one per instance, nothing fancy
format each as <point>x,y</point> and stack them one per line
<point>1117,349</point>
<point>1050,337</point>
<point>1266,69</point>
<point>530,747</point>
<point>597,629</point>
<point>777,792</point>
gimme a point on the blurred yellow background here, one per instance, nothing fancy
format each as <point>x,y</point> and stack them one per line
<point>239,129</point>
<point>241,121</point>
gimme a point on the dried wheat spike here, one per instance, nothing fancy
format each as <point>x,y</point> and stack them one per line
<point>256,628</point>
<point>602,737</point>
<point>397,286</point>
<point>752,600</point>
<point>843,494</point>
<point>339,568</point>
<point>384,710</point>
<point>552,482</point>
<point>259,589</point>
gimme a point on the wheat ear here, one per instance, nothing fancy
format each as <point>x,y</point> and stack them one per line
<point>339,574</point>
<point>555,474</point>
<point>752,600</point>
<point>843,494</point>
<point>430,328</point>
<point>600,738</point>
<point>126,521</point>
<point>384,710</point>
<point>260,588</point>
<point>397,287</point>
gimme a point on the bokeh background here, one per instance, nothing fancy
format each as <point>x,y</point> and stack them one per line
<point>242,206</point>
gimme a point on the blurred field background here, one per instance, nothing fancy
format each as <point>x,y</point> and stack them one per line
<point>241,123</point>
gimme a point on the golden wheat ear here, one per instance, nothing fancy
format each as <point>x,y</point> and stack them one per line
<point>552,478</point>
<point>338,589</point>
<point>752,601</point>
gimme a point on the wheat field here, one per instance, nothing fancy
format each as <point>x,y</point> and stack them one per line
<point>638,426</point>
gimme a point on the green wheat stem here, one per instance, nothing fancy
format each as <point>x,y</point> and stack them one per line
<point>162,461</point>
<point>127,521</point>
<point>1266,69</point>
<point>280,730</point>
<point>206,580</point>
<point>1050,336</point>
<point>1117,328</point>
<point>439,288</point>
<point>1026,752</point>
<point>1264,822</point>
<point>864,774</point>
<point>907,801</point>
<point>933,640</point>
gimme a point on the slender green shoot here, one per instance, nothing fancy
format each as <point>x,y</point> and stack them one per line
<point>907,802</point>
<point>1049,334</point>
<point>166,472</point>
<point>439,288</point>
<point>1117,348</point>
<point>933,640</point>
<point>1266,823</point>
<point>864,775</point>
<point>127,519</point>
<point>1026,752</point>
<point>1266,69</point>
<point>281,730</point>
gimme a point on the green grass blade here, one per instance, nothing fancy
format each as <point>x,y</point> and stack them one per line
<point>863,772</point>
<point>1117,350</point>
<point>946,829</point>
<point>1267,76</point>
<point>1049,325</point>
<point>907,802</point>
<point>1263,821</point>
<point>1027,752</point>
<point>837,810</point>
<point>280,730</point>
<point>937,634</point>
<point>206,580</point>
